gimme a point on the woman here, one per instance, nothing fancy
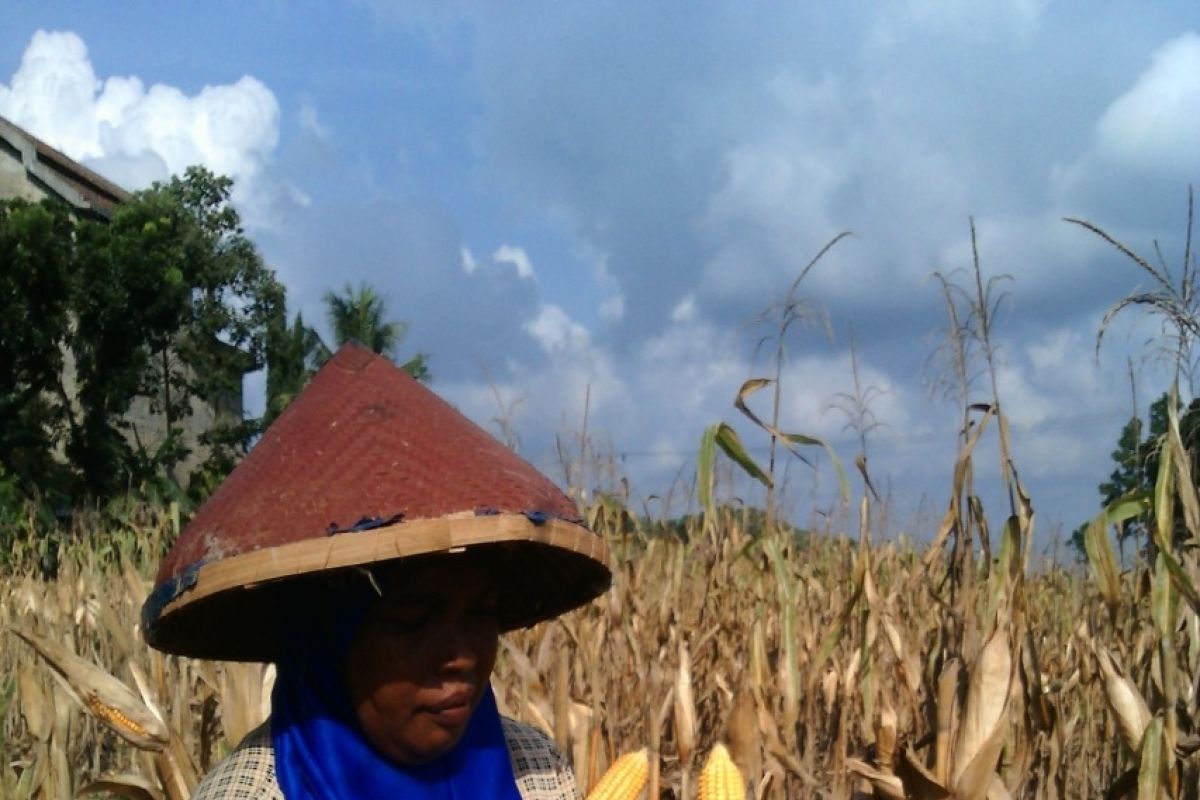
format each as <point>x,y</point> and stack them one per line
<point>374,545</point>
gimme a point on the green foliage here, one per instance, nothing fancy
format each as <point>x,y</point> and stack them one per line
<point>751,520</point>
<point>1130,459</point>
<point>10,498</point>
<point>293,354</point>
<point>168,301</point>
<point>418,367</point>
<point>1137,459</point>
<point>36,251</point>
<point>361,315</point>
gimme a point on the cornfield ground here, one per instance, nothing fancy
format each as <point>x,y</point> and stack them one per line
<point>829,666</point>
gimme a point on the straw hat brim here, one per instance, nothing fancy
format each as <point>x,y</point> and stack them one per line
<point>231,608</point>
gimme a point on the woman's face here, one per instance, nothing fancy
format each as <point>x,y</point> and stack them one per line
<point>422,657</point>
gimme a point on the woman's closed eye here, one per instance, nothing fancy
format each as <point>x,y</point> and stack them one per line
<point>409,617</point>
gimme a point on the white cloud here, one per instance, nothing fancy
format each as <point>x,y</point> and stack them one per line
<point>774,201</point>
<point>136,135</point>
<point>685,310</point>
<point>298,196</point>
<point>1020,248</point>
<point>1147,138</point>
<point>1051,452</point>
<point>555,332</point>
<point>969,20</point>
<point>613,308</point>
<point>1156,124</point>
<point>311,123</point>
<point>1060,354</point>
<point>694,368</point>
<point>1026,403</point>
<point>55,81</point>
<point>818,392</point>
<point>469,264</point>
<point>508,254</point>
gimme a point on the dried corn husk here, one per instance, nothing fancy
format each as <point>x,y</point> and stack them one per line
<point>105,697</point>
<point>1133,715</point>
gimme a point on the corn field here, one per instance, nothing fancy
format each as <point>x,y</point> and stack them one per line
<point>827,667</point>
<point>733,654</point>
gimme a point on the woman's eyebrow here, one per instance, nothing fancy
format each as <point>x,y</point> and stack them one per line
<point>412,597</point>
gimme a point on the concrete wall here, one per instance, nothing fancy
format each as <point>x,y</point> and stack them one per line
<point>14,180</point>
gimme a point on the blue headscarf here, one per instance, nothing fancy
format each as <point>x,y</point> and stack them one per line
<point>320,751</point>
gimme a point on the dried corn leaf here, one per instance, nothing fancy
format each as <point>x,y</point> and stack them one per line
<point>839,626</point>
<point>829,689</point>
<point>1103,561</point>
<point>1164,599</point>
<point>105,697</point>
<point>947,716</point>
<point>885,736</point>
<point>685,706</point>
<point>981,731</point>
<point>997,790</point>
<point>1164,499</point>
<point>1152,769</point>
<point>34,704</point>
<point>883,782</point>
<point>745,743</point>
<point>977,777</point>
<point>1185,486</point>
<point>919,782</point>
<point>1133,715</point>
<point>135,787</point>
<point>1181,580</point>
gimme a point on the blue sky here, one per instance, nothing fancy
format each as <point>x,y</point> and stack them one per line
<point>605,195</point>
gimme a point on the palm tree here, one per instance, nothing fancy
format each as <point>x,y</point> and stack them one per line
<point>360,314</point>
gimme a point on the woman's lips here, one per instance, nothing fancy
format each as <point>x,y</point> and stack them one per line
<point>452,709</point>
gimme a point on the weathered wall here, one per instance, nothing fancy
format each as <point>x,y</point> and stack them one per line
<point>14,181</point>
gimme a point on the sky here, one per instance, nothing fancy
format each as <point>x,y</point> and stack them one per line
<point>585,209</point>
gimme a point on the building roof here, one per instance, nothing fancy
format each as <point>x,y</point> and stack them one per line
<point>58,175</point>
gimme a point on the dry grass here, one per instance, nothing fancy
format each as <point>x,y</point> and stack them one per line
<point>828,667</point>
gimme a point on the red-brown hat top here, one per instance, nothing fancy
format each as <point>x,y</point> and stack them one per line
<point>365,465</point>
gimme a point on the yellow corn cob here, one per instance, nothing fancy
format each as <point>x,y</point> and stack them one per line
<point>720,779</point>
<point>625,779</point>
<point>114,717</point>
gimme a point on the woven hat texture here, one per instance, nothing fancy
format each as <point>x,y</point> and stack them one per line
<point>364,446</point>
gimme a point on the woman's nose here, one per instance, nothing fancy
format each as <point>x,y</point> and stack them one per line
<point>464,645</point>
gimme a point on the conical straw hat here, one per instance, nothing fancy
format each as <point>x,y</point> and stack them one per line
<point>365,466</point>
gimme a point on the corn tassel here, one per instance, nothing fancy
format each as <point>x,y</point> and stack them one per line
<point>625,779</point>
<point>720,778</point>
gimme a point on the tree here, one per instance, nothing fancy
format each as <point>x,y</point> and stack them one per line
<point>1137,463</point>
<point>186,304</point>
<point>37,256</point>
<point>360,314</point>
<point>168,300</point>
<point>293,353</point>
<point>296,351</point>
